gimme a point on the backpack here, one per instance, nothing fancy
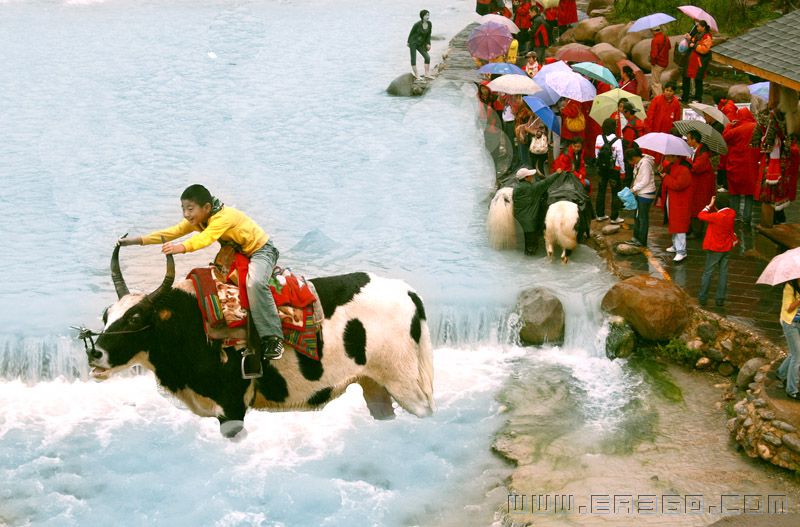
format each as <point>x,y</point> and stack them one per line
<point>605,156</point>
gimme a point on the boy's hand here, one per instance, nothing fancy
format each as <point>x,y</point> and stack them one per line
<point>122,242</point>
<point>173,248</point>
<point>711,203</point>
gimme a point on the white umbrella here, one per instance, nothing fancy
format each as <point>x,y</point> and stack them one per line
<point>499,19</point>
<point>571,85</point>
<point>514,85</point>
<point>711,111</point>
<point>666,144</point>
<point>782,268</point>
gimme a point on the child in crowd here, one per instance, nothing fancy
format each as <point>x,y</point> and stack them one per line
<point>532,66</point>
<point>719,241</point>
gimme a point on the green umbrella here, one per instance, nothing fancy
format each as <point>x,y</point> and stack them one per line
<point>596,72</point>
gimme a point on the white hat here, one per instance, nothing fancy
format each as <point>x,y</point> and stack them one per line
<point>523,172</point>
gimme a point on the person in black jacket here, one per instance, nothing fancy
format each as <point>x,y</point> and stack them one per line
<point>419,39</point>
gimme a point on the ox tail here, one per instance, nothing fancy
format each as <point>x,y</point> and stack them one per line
<point>500,222</point>
<point>425,365</point>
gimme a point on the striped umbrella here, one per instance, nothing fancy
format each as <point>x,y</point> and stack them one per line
<point>710,137</point>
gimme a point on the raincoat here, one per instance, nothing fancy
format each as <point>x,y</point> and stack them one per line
<point>704,181</point>
<point>676,191</point>
<point>662,113</point>
<point>741,161</point>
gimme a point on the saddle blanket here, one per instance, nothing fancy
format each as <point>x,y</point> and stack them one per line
<point>222,305</point>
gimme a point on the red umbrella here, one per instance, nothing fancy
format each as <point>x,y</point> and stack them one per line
<point>489,40</point>
<point>643,89</point>
<point>577,54</point>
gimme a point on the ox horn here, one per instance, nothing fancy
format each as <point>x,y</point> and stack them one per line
<point>166,285</point>
<point>116,275</point>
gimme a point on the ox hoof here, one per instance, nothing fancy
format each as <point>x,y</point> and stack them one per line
<point>233,430</point>
<point>564,259</point>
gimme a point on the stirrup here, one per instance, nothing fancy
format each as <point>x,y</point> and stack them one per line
<point>247,352</point>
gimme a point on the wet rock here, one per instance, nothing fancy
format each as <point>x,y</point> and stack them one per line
<point>695,345</point>
<point>627,249</point>
<point>759,403</point>
<point>610,229</point>
<point>764,452</point>
<point>542,315</point>
<point>727,345</point>
<point>657,309</point>
<point>715,355</point>
<point>702,363</point>
<point>792,441</point>
<point>707,332</point>
<point>739,93</point>
<point>567,37</point>
<point>748,371</point>
<point>598,4</point>
<point>726,369</point>
<point>731,424</point>
<point>767,415</point>
<point>629,40</point>
<point>586,30</point>
<point>740,407</point>
<point>612,34</point>
<point>402,86</point>
<point>771,439</point>
<point>621,339</point>
<point>609,55</point>
<point>760,376</point>
<point>747,423</point>
<point>783,425</point>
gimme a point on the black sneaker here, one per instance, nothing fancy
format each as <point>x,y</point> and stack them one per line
<point>273,348</point>
<point>251,364</point>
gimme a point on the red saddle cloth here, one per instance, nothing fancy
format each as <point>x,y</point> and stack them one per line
<point>225,304</point>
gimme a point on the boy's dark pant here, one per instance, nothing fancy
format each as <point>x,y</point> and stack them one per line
<point>608,177</point>
<point>714,259</point>
<point>641,225</point>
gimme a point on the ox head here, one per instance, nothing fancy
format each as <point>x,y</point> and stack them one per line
<point>128,325</point>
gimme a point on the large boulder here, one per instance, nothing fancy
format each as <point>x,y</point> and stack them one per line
<point>621,339</point>
<point>402,86</point>
<point>739,93</point>
<point>640,53</point>
<point>629,40</point>
<point>542,316</point>
<point>609,55</point>
<point>657,309</point>
<point>601,5</point>
<point>586,30</point>
<point>748,371</point>
<point>567,37</point>
<point>612,34</point>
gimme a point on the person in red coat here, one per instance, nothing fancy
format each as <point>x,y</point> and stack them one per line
<point>700,46</point>
<point>726,106</point>
<point>704,181</point>
<point>522,18</point>
<point>483,7</point>
<point>573,161</point>
<point>627,81</point>
<point>741,162</point>
<point>676,192</point>
<point>664,110</point>
<point>719,241</point>
<point>567,14</point>
<point>572,111</point>
<point>659,58</point>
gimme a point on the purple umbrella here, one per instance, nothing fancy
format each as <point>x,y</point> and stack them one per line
<point>489,40</point>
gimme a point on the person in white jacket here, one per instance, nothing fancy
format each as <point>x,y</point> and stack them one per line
<point>644,188</point>
<point>610,169</point>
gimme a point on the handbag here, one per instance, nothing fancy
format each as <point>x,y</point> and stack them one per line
<point>576,124</point>
<point>628,199</point>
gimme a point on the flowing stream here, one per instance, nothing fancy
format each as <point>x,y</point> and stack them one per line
<point>111,108</point>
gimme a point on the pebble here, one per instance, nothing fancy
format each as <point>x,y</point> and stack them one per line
<point>792,441</point>
<point>725,369</point>
<point>625,249</point>
<point>727,344</point>
<point>702,363</point>
<point>610,229</point>
<point>766,414</point>
<point>771,439</point>
<point>783,425</point>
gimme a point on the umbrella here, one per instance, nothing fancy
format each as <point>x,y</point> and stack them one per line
<point>711,111</point>
<point>543,112</point>
<point>500,19</point>
<point>571,54</point>
<point>596,72</point>
<point>782,268</point>
<point>489,40</point>
<point>514,85</point>
<point>710,137</point>
<point>760,89</point>
<point>650,21</point>
<point>666,144</point>
<point>571,85</point>
<point>502,68</point>
<point>696,13</point>
<point>547,95</point>
<point>549,3</point>
<point>607,103</point>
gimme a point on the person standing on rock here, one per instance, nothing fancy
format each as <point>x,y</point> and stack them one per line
<point>659,58</point>
<point>700,46</point>
<point>419,40</point>
<point>644,188</point>
<point>703,179</point>
<point>524,198</point>
<point>717,244</point>
<point>610,164</point>
<point>790,322</point>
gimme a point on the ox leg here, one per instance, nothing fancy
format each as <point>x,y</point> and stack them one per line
<point>232,428</point>
<point>378,399</point>
<point>565,255</point>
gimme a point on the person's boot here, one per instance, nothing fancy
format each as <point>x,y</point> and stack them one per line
<point>251,364</point>
<point>273,348</point>
<point>414,72</point>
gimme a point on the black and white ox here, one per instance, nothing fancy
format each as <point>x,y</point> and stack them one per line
<point>374,333</point>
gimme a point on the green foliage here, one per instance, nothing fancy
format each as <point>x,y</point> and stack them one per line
<point>657,377</point>
<point>677,351</point>
<point>733,16</point>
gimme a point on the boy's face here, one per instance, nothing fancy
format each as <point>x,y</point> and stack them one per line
<point>668,93</point>
<point>195,214</point>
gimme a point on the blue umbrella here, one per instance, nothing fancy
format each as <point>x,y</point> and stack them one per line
<point>543,112</point>
<point>760,89</point>
<point>650,21</point>
<point>501,68</point>
<point>596,72</point>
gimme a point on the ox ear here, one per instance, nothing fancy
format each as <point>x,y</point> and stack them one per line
<point>166,285</point>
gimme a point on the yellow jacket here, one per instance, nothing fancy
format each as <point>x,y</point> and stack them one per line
<point>788,298</point>
<point>228,225</point>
